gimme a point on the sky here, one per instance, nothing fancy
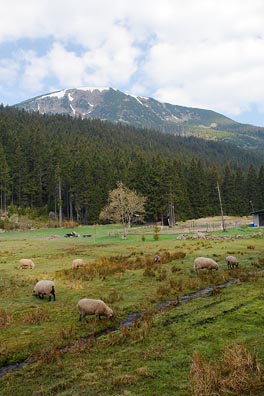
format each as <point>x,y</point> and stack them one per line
<point>207,54</point>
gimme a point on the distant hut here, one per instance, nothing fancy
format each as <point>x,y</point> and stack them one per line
<point>258,218</point>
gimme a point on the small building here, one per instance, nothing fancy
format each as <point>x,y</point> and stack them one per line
<point>258,218</point>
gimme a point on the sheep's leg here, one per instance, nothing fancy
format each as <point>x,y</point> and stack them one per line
<point>53,293</point>
<point>83,317</point>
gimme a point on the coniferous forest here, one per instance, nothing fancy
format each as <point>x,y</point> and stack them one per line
<point>50,162</point>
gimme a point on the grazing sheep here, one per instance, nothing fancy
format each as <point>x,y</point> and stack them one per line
<point>232,262</point>
<point>156,258</point>
<point>89,306</point>
<point>26,263</point>
<point>204,263</point>
<point>45,287</point>
<point>77,263</point>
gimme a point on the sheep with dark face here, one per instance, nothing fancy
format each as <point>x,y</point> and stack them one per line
<point>77,263</point>
<point>232,262</point>
<point>44,287</point>
<point>26,263</point>
<point>90,306</point>
<point>205,263</point>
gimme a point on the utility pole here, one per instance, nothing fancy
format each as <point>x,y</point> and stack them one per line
<point>60,203</point>
<point>220,201</point>
<point>171,215</point>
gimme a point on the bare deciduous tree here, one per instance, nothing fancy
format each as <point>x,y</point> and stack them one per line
<point>124,205</point>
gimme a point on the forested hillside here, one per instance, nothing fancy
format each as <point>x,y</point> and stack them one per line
<point>112,105</point>
<point>42,155</point>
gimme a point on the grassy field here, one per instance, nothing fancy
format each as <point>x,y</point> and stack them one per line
<point>171,349</point>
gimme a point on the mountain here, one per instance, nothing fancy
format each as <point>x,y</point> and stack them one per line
<point>143,112</point>
<point>52,161</point>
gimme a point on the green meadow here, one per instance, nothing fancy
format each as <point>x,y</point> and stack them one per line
<point>174,347</point>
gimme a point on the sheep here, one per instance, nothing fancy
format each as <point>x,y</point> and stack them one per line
<point>232,262</point>
<point>44,287</point>
<point>26,263</point>
<point>204,262</point>
<point>89,306</point>
<point>77,263</point>
<point>156,258</point>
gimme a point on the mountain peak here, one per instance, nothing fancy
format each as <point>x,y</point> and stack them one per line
<point>113,105</point>
<point>62,93</point>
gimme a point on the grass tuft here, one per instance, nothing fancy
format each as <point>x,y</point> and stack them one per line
<point>237,373</point>
<point>36,316</point>
<point>5,318</point>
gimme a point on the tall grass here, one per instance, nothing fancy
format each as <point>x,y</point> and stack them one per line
<point>238,372</point>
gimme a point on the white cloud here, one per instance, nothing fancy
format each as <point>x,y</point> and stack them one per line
<point>207,54</point>
<point>225,77</point>
<point>111,64</point>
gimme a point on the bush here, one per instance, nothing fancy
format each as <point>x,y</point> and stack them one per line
<point>156,231</point>
<point>237,373</point>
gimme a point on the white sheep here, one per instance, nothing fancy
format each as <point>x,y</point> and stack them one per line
<point>89,306</point>
<point>77,263</point>
<point>204,263</point>
<point>232,262</point>
<point>26,263</point>
<point>45,287</point>
<point>156,258</point>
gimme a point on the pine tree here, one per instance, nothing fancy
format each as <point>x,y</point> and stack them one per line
<point>4,180</point>
<point>228,190</point>
<point>197,189</point>
<point>252,189</point>
<point>260,186</point>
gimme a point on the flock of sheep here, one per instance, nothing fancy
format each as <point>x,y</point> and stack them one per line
<point>86,306</point>
<point>89,306</point>
<point>209,263</point>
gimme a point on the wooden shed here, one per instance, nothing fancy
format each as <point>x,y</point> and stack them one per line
<point>258,218</point>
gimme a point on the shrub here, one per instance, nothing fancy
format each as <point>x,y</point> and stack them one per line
<point>156,231</point>
<point>237,373</point>
<point>204,377</point>
<point>70,224</point>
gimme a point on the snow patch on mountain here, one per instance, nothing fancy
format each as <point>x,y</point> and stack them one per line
<point>57,94</point>
<point>73,110</point>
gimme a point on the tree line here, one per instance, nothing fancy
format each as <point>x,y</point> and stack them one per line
<point>68,166</point>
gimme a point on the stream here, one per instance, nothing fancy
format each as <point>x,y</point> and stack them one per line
<point>128,322</point>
